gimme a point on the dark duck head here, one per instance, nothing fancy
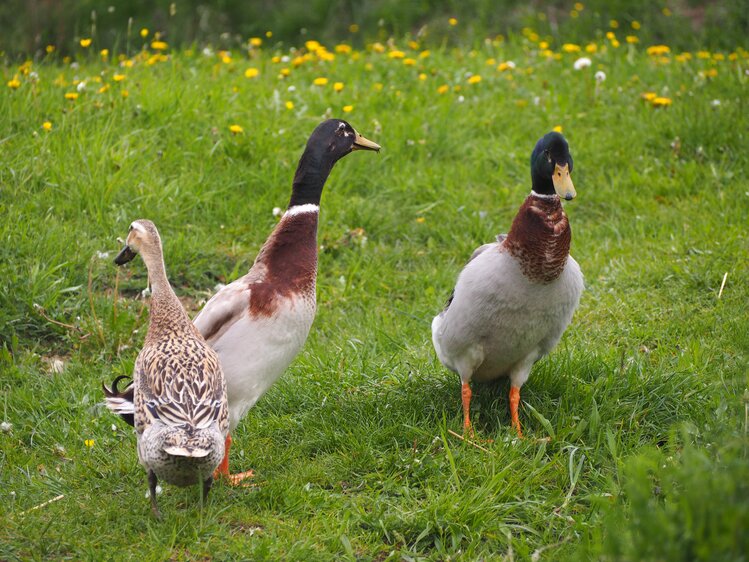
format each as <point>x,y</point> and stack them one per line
<point>551,167</point>
<point>329,142</point>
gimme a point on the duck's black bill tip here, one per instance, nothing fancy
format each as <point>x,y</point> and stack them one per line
<point>125,255</point>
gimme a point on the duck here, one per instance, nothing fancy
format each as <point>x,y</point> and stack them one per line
<point>516,296</point>
<point>177,399</point>
<point>258,323</point>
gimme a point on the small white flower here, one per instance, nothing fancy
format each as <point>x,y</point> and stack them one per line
<point>600,76</point>
<point>5,427</point>
<point>510,64</point>
<point>145,292</point>
<point>582,62</point>
<point>81,86</point>
<point>715,103</point>
<point>208,52</point>
<point>102,255</point>
<point>285,58</point>
<point>114,427</point>
<point>74,65</point>
<point>536,100</point>
<point>277,211</point>
<point>291,89</point>
<point>461,99</point>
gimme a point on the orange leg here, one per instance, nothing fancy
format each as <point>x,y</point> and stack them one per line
<point>514,403</point>
<point>466,396</point>
<point>223,468</point>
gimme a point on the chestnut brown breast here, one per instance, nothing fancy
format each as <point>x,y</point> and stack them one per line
<point>540,238</point>
<point>289,258</point>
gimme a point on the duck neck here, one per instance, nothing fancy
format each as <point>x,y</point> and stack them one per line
<point>167,313</point>
<point>540,237</point>
<point>311,174</point>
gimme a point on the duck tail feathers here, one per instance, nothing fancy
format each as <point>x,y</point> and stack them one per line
<point>121,402</point>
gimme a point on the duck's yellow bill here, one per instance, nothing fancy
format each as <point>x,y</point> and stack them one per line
<point>361,143</point>
<point>563,182</point>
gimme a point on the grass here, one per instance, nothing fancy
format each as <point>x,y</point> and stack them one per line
<point>636,440</point>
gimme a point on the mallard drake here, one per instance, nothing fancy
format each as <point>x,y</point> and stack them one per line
<point>259,323</point>
<point>516,296</point>
<point>178,396</point>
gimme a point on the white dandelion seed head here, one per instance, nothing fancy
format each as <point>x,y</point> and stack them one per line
<point>461,99</point>
<point>5,427</point>
<point>582,62</point>
<point>291,89</point>
<point>600,76</point>
<point>715,103</point>
<point>81,86</point>
<point>277,211</point>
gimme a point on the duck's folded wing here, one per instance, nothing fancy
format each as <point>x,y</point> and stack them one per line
<point>223,310</point>
<point>477,252</point>
<point>181,390</point>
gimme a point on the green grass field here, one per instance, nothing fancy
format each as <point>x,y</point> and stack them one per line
<point>635,426</point>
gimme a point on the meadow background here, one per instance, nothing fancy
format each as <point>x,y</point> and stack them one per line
<point>635,426</point>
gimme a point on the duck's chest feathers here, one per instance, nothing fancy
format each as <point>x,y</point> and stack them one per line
<point>539,238</point>
<point>287,263</point>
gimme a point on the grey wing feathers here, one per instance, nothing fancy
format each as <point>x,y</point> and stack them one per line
<point>477,252</point>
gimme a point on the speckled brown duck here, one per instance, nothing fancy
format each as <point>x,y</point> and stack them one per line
<point>515,297</point>
<point>178,398</point>
<point>259,323</point>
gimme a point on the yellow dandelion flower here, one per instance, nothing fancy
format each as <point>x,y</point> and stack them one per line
<point>14,83</point>
<point>144,32</point>
<point>255,41</point>
<point>226,59</point>
<point>591,48</point>
<point>275,59</point>
<point>571,48</point>
<point>505,66</point>
<point>159,45</point>
<point>251,72</point>
<point>128,63</point>
<point>125,93</point>
<point>312,46</point>
<point>610,35</point>
<point>579,6</point>
<point>635,25</point>
<point>703,54</point>
<point>289,105</point>
<point>103,89</point>
<point>353,28</point>
<point>648,96</point>
<point>85,43</point>
<point>47,126</point>
<point>533,36</point>
<point>615,43</point>
<point>661,102</point>
<point>574,14</point>
<point>348,108</point>
<point>104,53</point>
<point>338,86</point>
<point>666,12</point>
<point>453,21</point>
<point>118,77</point>
<point>50,49</point>
<point>733,56</point>
<point>378,86</point>
<point>424,54</point>
<point>719,56</point>
<point>89,443</point>
<point>558,128</point>
<point>420,220</point>
<point>378,47</point>
<point>422,76</point>
<point>343,49</point>
<point>396,54</point>
<point>632,39</point>
<point>443,89</point>
<point>269,34</point>
<point>71,95</point>
<point>710,73</point>
<point>321,81</point>
<point>658,50</point>
<point>285,72</point>
<point>543,45</point>
<point>322,54</point>
<point>236,129</point>
<point>613,24</point>
<point>413,45</point>
<point>475,79</point>
<point>409,62</point>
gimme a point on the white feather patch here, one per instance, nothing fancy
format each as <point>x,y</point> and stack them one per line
<point>298,209</point>
<point>120,405</point>
<point>177,451</point>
